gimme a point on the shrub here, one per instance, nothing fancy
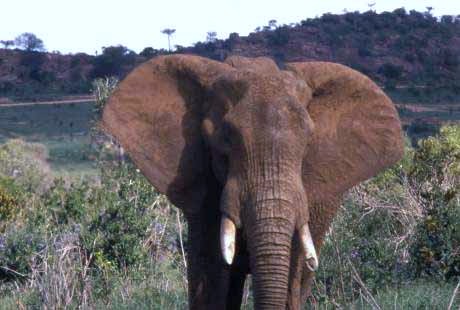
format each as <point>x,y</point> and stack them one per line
<point>123,219</point>
<point>391,71</point>
<point>17,247</point>
<point>435,176</point>
<point>397,227</point>
<point>102,88</point>
<point>26,163</point>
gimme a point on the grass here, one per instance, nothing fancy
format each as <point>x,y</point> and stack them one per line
<point>63,128</point>
<point>419,295</point>
<point>414,295</point>
<point>53,120</point>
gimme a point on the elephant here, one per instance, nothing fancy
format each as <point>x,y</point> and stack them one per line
<point>257,157</point>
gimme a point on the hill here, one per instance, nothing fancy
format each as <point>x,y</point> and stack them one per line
<point>412,52</point>
<point>413,55</point>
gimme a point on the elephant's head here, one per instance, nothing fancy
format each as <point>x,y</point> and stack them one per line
<point>276,141</point>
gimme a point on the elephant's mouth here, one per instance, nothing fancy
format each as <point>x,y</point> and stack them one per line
<point>228,237</point>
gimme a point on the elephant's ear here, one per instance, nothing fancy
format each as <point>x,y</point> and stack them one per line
<point>357,129</point>
<point>155,114</point>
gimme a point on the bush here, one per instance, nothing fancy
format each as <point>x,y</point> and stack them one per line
<point>123,219</point>
<point>26,163</point>
<point>391,71</point>
<point>80,241</point>
<point>400,226</point>
<point>102,88</point>
<point>10,198</point>
<point>435,176</point>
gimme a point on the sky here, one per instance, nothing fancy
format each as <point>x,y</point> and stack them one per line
<point>72,26</point>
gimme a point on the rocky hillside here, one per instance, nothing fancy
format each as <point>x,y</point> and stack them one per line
<point>414,55</point>
<point>410,51</point>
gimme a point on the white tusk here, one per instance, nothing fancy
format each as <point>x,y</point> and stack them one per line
<point>307,243</point>
<point>227,239</point>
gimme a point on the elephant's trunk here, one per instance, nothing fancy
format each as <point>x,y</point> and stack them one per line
<point>269,241</point>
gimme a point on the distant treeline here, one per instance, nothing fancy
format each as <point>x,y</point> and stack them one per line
<point>412,54</point>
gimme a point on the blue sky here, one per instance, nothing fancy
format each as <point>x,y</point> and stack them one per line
<point>72,26</point>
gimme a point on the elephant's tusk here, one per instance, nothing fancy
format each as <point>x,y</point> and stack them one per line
<point>227,239</point>
<point>311,258</point>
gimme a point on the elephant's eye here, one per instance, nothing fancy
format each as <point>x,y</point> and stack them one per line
<point>226,134</point>
<point>225,138</point>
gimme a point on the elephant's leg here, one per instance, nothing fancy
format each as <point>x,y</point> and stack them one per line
<point>238,272</point>
<point>235,290</point>
<point>208,277</point>
<point>196,264</point>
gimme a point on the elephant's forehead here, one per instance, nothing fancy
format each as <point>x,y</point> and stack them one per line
<point>260,84</point>
<point>278,88</point>
<point>259,64</point>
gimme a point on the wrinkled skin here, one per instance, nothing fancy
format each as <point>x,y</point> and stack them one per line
<point>268,152</point>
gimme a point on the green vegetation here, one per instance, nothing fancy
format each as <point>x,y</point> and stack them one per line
<point>113,241</point>
<point>117,234</point>
<point>398,233</point>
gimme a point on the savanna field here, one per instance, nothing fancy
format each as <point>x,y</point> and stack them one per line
<point>82,228</point>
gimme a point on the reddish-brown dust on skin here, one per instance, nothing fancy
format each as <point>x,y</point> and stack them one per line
<point>271,149</point>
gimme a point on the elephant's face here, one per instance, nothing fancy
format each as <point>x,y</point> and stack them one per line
<point>261,142</point>
<point>278,142</point>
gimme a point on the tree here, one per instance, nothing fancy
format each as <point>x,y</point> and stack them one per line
<point>148,52</point>
<point>391,71</point>
<point>7,43</point>
<point>169,32</point>
<point>279,37</point>
<point>272,23</point>
<point>211,36</point>
<point>371,6</point>
<point>29,42</point>
<point>447,19</point>
<point>114,61</point>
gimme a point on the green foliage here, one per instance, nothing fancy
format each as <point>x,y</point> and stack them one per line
<point>149,52</point>
<point>399,226</point>
<point>114,61</point>
<point>436,177</point>
<point>108,227</point>
<point>26,163</point>
<point>29,42</point>
<point>279,36</point>
<point>102,88</point>
<point>417,295</point>
<point>17,247</point>
<point>66,204</point>
<point>123,218</point>
<point>114,241</point>
<point>10,195</point>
